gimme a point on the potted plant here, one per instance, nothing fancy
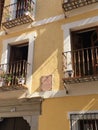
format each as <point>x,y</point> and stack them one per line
<point>21,80</point>
<point>8,78</point>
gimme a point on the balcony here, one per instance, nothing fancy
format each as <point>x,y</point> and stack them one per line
<point>80,65</point>
<point>13,75</point>
<point>18,14</point>
<point>68,5</point>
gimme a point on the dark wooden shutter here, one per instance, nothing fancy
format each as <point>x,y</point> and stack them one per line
<point>1,9</point>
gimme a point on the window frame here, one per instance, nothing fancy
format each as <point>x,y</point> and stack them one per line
<point>87,118</point>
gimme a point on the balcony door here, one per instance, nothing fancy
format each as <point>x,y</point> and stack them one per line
<point>18,59</point>
<point>22,6</point>
<point>83,45</point>
<point>94,41</point>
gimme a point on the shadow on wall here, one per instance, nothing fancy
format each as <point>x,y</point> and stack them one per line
<point>48,55</point>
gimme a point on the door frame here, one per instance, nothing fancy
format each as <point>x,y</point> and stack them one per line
<point>30,38</point>
<point>11,47</point>
<point>28,108</point>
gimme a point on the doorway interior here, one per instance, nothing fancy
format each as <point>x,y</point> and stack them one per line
<point>14,123</point>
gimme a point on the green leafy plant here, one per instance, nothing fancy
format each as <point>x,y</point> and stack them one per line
<point>8,77</point>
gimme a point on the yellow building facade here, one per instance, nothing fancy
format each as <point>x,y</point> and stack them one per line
<point>52,45</point>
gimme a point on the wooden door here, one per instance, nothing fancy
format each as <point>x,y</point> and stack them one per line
<point>18,52</point>
<point>94,42</point>
<point>16,123</point>
<point>18,60</point>
<point>1,9</point>
<point>77,44</point>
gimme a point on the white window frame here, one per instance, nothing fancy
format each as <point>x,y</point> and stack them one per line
<point>74,125</point>
<point>30,38</point>
<point>77,25</point>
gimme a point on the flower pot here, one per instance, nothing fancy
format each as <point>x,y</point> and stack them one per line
<point>27,13</point>
<point>2,83</point>
<point>21,81</point>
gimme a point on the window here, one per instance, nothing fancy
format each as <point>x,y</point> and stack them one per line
<point>80,58</point>
<point>88,121</point>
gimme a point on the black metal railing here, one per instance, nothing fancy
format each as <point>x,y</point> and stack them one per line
<point>68,5</point>
<point>17,10</point>
<point>13,73</point>
<point>84,121</point>
<point>81,62</point>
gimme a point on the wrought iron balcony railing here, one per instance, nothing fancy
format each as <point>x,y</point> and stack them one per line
<point>81,65</point>
<point>18,14</point>
<point>13,74</point>
<point>68,5</point>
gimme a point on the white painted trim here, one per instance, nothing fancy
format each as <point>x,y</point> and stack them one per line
<point>78,89</point>
<point>33,122</point>
<point>17,40</point>
<point>48,94</point>
<point>48,20</point>
<point>28,119</point>
<point>81,24</point>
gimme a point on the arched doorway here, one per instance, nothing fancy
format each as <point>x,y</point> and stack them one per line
<point>14,123</point>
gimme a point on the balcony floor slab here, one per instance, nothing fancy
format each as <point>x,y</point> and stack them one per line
<point>18,21</point>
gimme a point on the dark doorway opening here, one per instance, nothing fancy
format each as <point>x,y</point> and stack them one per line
<point>17,65</point>
<point>82,38</point>
<point>15,123</point>
<point>18,52</point>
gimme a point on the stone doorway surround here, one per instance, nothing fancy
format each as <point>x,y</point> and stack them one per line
<point>28,108</point>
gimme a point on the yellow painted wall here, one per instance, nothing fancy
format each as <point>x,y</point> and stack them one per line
<point>48,54</point>
<point>48,8</point>
<point>55,111</point>
<point>48,46</point>
<point>48,50</point>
